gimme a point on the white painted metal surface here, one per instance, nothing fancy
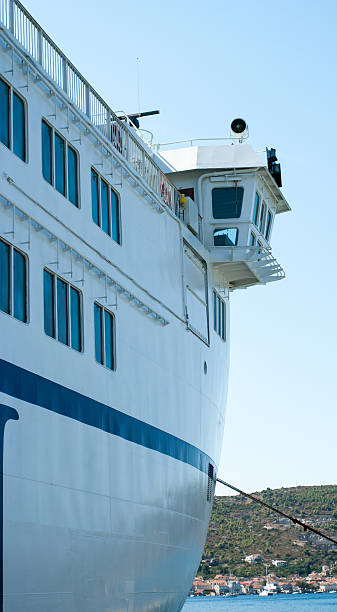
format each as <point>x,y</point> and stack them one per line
<point>105,472</point>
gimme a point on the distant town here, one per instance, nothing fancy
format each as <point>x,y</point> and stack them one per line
<point>268,584</point>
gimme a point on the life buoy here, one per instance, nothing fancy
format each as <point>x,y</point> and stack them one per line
<point>116,138</point>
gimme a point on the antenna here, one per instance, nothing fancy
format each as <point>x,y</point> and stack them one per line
<point>138,82</point>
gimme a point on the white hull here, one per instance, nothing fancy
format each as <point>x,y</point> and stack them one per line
<point>109,466</point>
<point>93,521</point>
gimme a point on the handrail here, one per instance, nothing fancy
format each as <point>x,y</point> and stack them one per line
<point>36,43</point>
<point>190,141</point>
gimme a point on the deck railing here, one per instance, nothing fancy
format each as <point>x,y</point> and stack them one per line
<point>15,18</point>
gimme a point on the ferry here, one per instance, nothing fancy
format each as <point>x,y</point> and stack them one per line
<point>117,262</point>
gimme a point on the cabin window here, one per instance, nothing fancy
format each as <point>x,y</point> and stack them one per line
<point>227,202</point>
<point>263,217</point>
<point>268,225</point>
<point>95,197</point>
<point>219,315</point>
<point>104,336</point>
<point>13,282</point>
<point>105,206</point>
<point>62,311</point>
<point>72,176</point>
<point>12,120</point>
<point>226,237</point>
<point>47,152</point>
<point>59,148</point>
<point>256,210</point>
<point>252,239</point>
<point>59,164</point>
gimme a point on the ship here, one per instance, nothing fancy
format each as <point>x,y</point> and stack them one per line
<point>117,262</point>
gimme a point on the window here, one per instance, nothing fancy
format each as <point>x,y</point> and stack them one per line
<point>256,210</point>
<point>104,336</point>
<point>12,120</point>
<point>226,237</point>
<point>268,225</point>
<point>105,206</point>
<point>62,311</point>
<point>252,239</point>
<point>13,282</point>
<point>227,202</point>
<point>263,217</point>
<point>59,163</point>
<point>219,315</point>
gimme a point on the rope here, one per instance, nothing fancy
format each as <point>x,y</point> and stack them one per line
<point>291,518</point>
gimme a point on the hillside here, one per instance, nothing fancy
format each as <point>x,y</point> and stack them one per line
<point>240,527</point>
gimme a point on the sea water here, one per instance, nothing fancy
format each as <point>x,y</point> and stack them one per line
<point>316,602</point>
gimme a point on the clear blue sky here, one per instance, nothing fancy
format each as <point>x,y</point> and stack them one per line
<point>202,64</point>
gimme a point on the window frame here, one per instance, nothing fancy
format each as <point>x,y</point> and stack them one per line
<point>99,204</point>
<point>263,216</point>
<point>13,90</point>
<point>66,144</point>
<point>219,310</point>
<point>252,239</point>
<point>268,227</point>
<point>257,210</point>
<point>70,286</point>
<point>13,248</point>
<point>217,229</point>
<point>227,187</point>
<point>103,310</point>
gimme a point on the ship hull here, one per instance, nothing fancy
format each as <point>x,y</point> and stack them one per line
<point>92,520</point>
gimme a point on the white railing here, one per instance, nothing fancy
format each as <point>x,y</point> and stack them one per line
<point>35,42</point>
<point>259,259</point>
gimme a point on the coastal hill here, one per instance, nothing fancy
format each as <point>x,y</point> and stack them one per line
<point>240,527</point>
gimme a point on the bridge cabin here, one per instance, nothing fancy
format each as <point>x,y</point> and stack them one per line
<point>229,199</point>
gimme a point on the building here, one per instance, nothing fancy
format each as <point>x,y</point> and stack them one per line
<point>279,563</point>
<point>253,559</point>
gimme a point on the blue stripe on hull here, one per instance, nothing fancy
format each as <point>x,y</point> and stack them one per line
<point>6,414</point>
<point>34,389</point>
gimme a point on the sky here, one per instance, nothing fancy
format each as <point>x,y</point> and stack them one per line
<point>272,63</point>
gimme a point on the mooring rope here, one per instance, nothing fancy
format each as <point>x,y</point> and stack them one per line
<point>291,518</point>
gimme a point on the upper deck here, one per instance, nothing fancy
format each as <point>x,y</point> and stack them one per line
<point>38,54</point>
<point>158,177</point>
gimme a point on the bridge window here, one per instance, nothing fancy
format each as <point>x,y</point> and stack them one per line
<point>256,210</point>
<point>105,206</point>
<point>219,315</point>
<point>62,311</point>
<point>252,239</point>
<point>104,336</point>
<point>12,120</point>
<point>227,202</point>
<point>13,282</point>
<point>226,237</point>
<point>59,163</point>
<point>268,225</point>
<point>263,217</point>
